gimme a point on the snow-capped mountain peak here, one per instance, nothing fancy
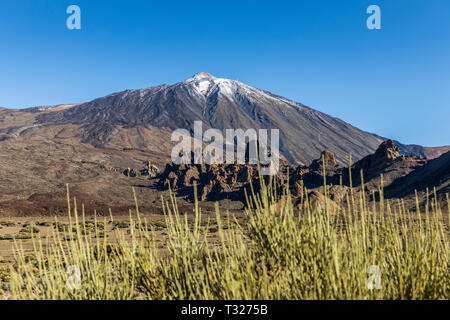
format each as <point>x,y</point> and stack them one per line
<point>205,84</point>
<point>222,104</point>
<point>201,76</point>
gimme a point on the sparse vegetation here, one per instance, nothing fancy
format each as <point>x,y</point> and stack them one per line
<point>121,224</point>
<point>30,229</point>
<point>7,224</point>
<point>278,252</point>
<point>44,224</point>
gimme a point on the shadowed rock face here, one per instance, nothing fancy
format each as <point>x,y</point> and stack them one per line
<point>386,154</point>
<point>386,161</point>
<point>214,182</point>
<point>433,174</point>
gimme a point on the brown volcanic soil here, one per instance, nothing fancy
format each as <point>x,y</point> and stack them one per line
<point>37,161</point>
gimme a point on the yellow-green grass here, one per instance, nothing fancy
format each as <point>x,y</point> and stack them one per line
<point>281,251</point>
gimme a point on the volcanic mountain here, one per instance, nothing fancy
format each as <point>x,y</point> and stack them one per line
<point>220,104</point>
<point>104,147</point>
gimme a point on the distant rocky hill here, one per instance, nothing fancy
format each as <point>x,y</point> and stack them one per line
<point>426,152</point>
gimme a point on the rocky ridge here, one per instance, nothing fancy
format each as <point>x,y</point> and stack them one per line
<point>215,182</point>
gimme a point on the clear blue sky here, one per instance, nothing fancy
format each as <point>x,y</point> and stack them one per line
<point>394,82</point>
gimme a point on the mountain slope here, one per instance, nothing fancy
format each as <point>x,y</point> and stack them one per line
<point>221,104</point>
<point>224,104</point>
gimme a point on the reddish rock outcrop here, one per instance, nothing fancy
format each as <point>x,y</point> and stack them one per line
<point>385,155</point>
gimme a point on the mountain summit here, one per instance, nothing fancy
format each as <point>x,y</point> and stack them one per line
<point>222,104</point>
<point>201,76</point>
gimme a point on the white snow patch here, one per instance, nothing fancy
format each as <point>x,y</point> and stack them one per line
<point>202,86</point>
<point>227,87</point>
<point>205,84</point>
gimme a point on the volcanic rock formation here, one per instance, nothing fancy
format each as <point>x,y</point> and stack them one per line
<point>217,182</point>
